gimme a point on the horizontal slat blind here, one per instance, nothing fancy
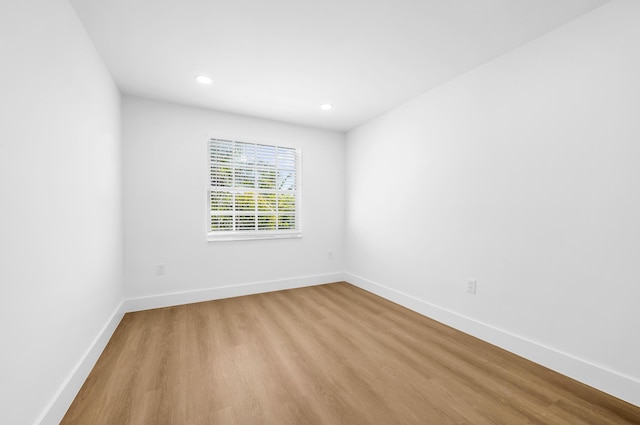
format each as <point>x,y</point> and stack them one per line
<point>254,189</point>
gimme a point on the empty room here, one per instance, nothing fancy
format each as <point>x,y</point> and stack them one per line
<point>337,212</point>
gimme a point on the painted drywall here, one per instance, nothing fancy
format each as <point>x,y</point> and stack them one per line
<point>522,174</point>
<point>165,203</point>
<point>61,227</point>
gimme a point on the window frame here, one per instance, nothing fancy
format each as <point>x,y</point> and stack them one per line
<point>233,190</point>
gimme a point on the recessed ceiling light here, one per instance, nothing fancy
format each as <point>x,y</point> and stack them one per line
<point>203,79</point>
<point>326,106</point>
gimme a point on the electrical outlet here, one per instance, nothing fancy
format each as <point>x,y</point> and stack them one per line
<point>330,255</point>
<point>160,270</point>
<point>471,286</point>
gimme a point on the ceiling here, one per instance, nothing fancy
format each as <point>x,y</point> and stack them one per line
<point>282,59</point>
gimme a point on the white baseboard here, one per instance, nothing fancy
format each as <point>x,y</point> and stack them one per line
<point>188,297</point>
<point>55,411</point>
<point>619,385</point>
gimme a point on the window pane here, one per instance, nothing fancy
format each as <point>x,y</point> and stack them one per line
<point>267,222</point>
<point>286,202</point>
<point>287,158</point>
<point>267,202</point>
<point>221,151</point>
<point>246,222</point>
<point>266,178</point>
<point>245,154</point>
<point>286,180</point>
<point>244,177</point>
<point>286,222</point>
<point>221,175</point>
<point>266,155</point>
<point>245,201</point>
<point>221,201</point>
<point>221,222</point>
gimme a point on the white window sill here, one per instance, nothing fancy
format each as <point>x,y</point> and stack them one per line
<point>212,237</point>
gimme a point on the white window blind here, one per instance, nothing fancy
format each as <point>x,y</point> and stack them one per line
<point>254,191</point>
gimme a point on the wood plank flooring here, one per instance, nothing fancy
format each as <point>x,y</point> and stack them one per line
<point>329,354</point>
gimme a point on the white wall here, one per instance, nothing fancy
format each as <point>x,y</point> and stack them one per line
<point>60,226</point>
<point>165,203</point>
<point>522,174</point>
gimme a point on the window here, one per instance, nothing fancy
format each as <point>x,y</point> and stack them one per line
<point>254,191</point>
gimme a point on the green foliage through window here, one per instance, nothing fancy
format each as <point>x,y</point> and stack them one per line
<point>253,187</point>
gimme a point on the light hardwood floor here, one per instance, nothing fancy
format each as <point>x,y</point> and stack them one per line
<point>329,354</point>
